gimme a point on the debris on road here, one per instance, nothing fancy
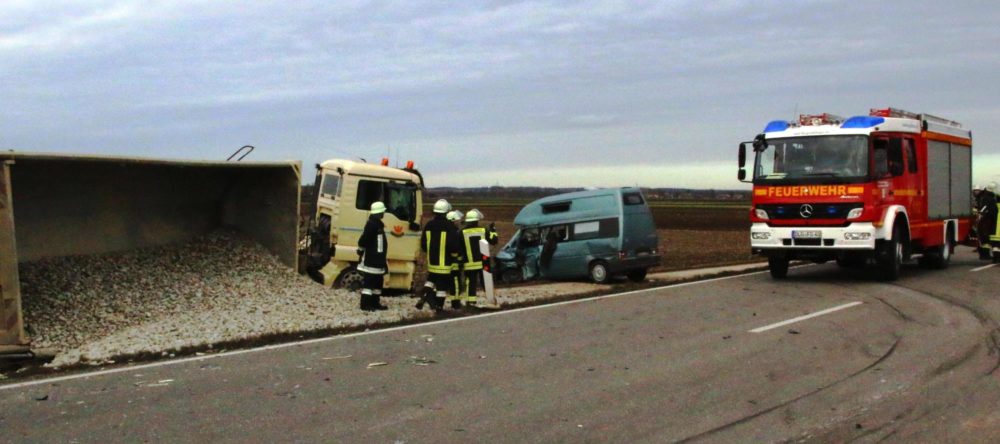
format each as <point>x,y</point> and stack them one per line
<point>793,332</point>
<point>420,360</point>
<point>377,364</point>
<point>330,358</point>
<point>42,398</point>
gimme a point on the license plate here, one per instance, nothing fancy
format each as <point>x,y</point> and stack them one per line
<point>806,234</point>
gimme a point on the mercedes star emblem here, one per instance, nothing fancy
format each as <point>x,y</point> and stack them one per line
<point>806,211</point>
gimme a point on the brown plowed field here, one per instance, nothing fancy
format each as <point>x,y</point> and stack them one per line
<point>690,236</point>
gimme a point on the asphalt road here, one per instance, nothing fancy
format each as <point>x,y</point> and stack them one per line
<point>913,360</point>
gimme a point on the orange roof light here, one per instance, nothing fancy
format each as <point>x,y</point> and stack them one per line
<point>385,161</point>
<point>409,164</point>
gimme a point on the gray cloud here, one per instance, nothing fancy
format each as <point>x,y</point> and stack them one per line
<point>492,86</point>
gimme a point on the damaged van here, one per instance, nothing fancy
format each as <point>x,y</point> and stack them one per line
<point>598,234</point>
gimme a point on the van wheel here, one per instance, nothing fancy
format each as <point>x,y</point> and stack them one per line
<point>890,258</point>
<point>599,272</point>
<point>778,266</point>
<point>350,279</point>
<point>638,275</point>
<point>511,276</point>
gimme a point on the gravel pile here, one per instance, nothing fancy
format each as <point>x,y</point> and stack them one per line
<point>218,288</point>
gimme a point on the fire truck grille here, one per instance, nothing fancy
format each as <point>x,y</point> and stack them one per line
<point>814,210</point>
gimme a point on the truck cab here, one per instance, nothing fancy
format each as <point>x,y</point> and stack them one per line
<point>874,188</point>
<point>345,191</point>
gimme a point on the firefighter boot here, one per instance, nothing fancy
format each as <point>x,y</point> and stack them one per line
<point>375,301</point>
<point>366,302</point>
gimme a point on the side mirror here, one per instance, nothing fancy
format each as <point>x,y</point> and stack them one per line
<point>743,156</point>
<point>742,175</point>
<point>759,143</point>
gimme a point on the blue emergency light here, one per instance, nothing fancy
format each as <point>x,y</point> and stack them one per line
<point>863,122</point>
<point>776,125</point>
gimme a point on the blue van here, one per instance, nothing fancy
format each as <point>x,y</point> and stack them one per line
<point>597,234</point>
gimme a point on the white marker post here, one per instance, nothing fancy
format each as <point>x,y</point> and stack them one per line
<point>490,296</point>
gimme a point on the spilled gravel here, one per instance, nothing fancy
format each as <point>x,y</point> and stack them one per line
<point>220,288</point>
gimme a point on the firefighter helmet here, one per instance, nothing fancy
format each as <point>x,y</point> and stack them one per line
<point>473,216</point>
<point>378,208</point>
<point>442,206</point>
<point>455,215</point>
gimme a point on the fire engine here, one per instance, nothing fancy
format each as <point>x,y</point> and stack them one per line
<point>872,189</point>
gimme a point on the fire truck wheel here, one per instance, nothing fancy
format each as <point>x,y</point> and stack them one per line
<point>939,257</point>
<point>778,266</point>
<point>891,257</point>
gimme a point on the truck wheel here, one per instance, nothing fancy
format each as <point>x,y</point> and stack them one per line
<point>778,265</point>
<point>638,275</point>
<point>599,272</point>
<point>350,279</point>
<point>890,259</point>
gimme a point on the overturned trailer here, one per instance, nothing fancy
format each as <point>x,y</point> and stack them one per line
<point>62,205</point>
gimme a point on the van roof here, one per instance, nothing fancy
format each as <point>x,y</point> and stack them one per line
<point>368,169</point>
<point>582,205</point>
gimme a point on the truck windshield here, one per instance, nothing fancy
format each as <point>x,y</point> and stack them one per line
<point>819,159</point>
<point>400,199</point>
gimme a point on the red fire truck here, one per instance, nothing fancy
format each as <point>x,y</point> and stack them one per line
<point>870,189</point>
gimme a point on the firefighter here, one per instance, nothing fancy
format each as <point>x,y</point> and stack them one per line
<point>980,225</point>
<point>372,249</point>
<point>990,212</point>
<point>492,237</point>
<point>440,243</point>
<point>473,267</point>
<point>457,293</point>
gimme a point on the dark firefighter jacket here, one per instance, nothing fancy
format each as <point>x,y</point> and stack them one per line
<point>374,247</point>
<point>443,244</point>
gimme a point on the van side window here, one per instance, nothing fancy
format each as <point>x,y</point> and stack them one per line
<point>632,199</point>
<point>911,155</point>
<point>331,185</point>
<point>561,232</point>
<point>557,207</point>
<point>597,229</point>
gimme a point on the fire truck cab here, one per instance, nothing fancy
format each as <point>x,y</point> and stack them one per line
<point>869,189</point>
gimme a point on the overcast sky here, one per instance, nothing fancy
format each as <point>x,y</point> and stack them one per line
<point>485,92</point>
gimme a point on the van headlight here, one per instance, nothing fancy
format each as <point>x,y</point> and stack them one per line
<point>760,235</point>
<point>857,236</point>
<point>761,214</point>
<point>855,213</point>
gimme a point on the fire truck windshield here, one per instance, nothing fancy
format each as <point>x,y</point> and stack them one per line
<point>813,159</point>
